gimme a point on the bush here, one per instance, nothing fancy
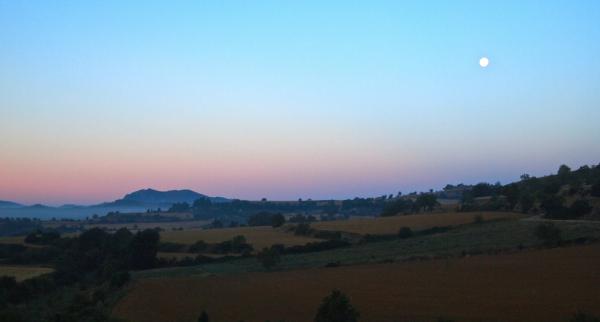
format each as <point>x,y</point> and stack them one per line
<point>478,219</point>
<point>336,307</point>
<point>549,234</point>
<point>405,232</point>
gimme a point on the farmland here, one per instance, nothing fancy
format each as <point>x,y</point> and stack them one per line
<point>391,225</point>
<point>259,237</point>
<point>490,237</point>
<point>23,272</point>
<point>510,287</point>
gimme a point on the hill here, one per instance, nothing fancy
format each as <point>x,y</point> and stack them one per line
<point>9,204</point>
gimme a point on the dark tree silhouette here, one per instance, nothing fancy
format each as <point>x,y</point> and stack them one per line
<point>336,307</point>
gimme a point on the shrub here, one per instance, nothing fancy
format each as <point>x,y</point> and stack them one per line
<point>405,232</point>
<point>336,307</point>
<point>478,219</point>
<point>549,234</point>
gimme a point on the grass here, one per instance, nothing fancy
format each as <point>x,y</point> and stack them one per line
<point>391,225</point>
<point>23,272</point>
<point>259,237</point>
<point>533,285</point>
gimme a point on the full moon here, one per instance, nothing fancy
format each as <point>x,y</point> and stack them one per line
<point>484,62</point>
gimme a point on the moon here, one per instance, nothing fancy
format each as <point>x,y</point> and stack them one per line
<point>484,62</point>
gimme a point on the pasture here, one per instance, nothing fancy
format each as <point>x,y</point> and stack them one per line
<point>259,237</point>
<point>391,225</point>
<point>23,272</point>
<point>535,285</point>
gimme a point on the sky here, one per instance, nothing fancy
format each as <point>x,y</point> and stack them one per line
<point>291,99</point>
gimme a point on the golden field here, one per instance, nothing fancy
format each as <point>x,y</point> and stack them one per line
<point>23,272</point>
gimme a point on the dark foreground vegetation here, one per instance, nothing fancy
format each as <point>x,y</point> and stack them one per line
<point>89,272</point>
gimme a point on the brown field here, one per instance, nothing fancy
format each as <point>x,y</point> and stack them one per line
<point>259,237</point>
<point>391,225</point>
<point>543,285</point>
<point>23,272</point>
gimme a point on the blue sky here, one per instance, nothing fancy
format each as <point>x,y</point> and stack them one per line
<point>291,99</point>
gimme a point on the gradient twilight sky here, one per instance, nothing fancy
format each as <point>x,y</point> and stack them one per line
<point>289,99</point>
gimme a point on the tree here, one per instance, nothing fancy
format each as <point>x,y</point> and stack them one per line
<point>512,194</point>
<point>563,171</point>
<point>277,220</point>
<point>203,317</point>
<point>203,202</point>
<point>426,201</point>
<point>526,201</point>
<point>144,249</point>
<point>336,307</point>
<point>180,207</point>
<point>268,257</point>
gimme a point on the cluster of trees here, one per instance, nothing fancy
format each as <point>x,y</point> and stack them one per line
<point>42,237</point>
<point>548,194</point>
<point>88,268</point>
<point>408,205</point>
<point>236,245</point>
<point>204,208</point>
<point>265,218</point>
<point>18,226</point>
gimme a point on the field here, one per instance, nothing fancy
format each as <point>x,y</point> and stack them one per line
<point>259,237</point>
<point>195,224</point>
<point>536,285</point>
<point>391,225</point>
<point>23,272</point>
<point>12,240</point>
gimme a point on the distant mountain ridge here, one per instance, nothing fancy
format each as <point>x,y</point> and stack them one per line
<point>136,201</point>
<point>152,197</point>
<point>9,204</point>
